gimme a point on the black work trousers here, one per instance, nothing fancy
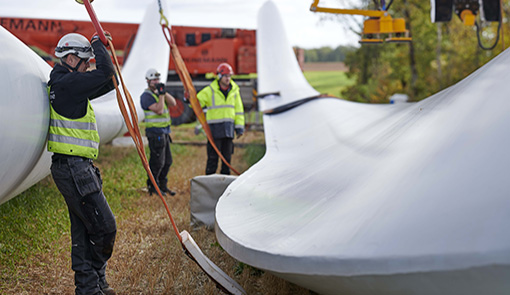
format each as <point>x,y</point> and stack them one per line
<point>160,158</point>
<point>93,226</point>
<point>226,148</point>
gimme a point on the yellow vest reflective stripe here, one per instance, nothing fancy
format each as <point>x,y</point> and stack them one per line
<point>154,120</point>
<point>75,137</point>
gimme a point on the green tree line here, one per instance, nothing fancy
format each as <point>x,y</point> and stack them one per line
<point>328,54</point>
<point>440,55</point>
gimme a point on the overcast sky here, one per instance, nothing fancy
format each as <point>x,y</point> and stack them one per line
<point>304,28</point>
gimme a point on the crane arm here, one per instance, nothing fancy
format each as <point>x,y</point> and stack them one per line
<point>370,13</point>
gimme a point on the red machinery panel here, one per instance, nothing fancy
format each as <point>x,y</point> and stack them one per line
<point>201,48</point>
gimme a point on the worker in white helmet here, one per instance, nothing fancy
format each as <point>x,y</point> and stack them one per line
<point>155,101</point>
<point>74,141</point>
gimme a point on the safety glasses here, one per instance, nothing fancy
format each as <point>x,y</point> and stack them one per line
<point>69,48</point>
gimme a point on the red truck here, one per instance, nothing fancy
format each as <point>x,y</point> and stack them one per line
<point>201,48</point>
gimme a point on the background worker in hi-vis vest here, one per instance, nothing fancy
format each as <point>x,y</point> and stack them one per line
<point>155,102</point>
<point>224,112</point>
<point>74,141</point>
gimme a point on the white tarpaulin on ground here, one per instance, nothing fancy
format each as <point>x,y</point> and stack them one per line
<point>376,199</point>
<point>24,105</point>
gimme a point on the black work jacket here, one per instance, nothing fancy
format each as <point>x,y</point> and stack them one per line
<point>70,91</point>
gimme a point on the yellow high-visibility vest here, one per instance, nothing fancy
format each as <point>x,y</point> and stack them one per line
<point>220,109</point>
<point>154,120</point>
<point>75,137</point>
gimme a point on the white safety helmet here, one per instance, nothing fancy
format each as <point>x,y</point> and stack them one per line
<point>76,44</point>
<point>152,74</point>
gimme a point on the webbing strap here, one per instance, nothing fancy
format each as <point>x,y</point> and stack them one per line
<point>131,119</point>
<point>226,283</point>
<point>185,78</point>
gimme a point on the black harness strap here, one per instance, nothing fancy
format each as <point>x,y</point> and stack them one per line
<point>291,105</point>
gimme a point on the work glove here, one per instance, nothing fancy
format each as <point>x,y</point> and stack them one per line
<point>160,89</point>
<point>239,132</point>
<point>95,36</point>
<point>198,129</point>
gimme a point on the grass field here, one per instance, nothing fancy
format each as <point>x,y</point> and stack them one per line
<point>148,259</point>
<point>328,82</point>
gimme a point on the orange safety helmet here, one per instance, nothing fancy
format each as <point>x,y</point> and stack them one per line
<point>224,69</point>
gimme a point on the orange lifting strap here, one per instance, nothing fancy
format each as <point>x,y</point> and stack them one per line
<point>223,281</point>
<point>185,77</point>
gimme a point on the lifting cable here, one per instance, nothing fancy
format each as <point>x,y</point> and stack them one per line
<point>130,119</point>
<point>502,28</point>
<point>498,32</point>
<point>185,77</point>
<point>222,280</point>
<point>479,33</point>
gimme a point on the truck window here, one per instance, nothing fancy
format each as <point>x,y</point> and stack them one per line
<point>190,40</point>
<point>206,37</point>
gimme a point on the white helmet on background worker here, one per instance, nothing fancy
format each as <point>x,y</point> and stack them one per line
<point>152,74</point>
<point>76,44</point>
